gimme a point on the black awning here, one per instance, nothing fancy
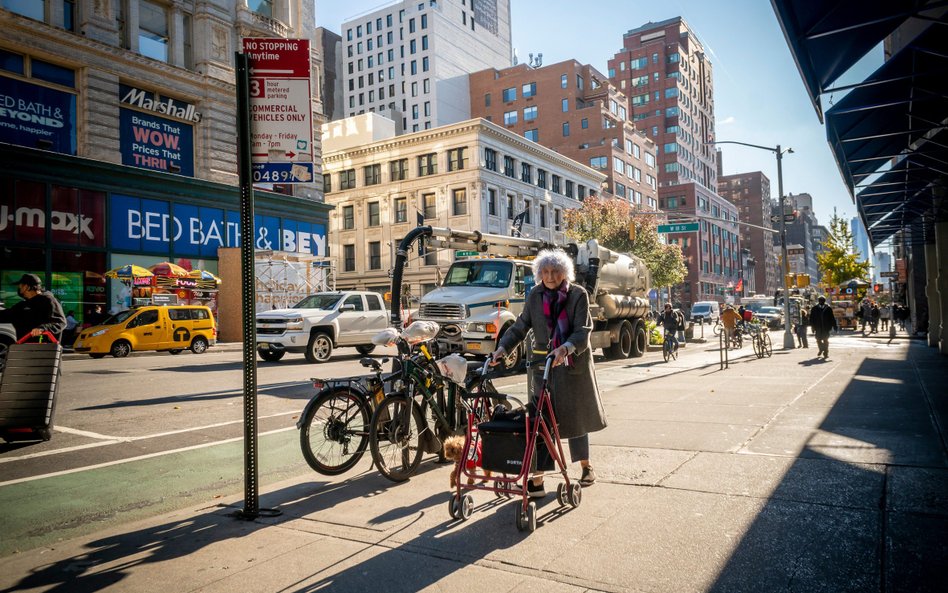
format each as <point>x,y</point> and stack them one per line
<point>827,38</point>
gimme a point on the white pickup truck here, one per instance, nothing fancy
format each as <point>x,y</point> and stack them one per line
<point>321,322</point>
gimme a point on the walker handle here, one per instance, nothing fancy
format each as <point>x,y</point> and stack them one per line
<point>48,334</point>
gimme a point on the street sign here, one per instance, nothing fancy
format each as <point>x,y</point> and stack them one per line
<point>681,227</point>
<point>458,254</point>
<point>889,274</point>
<point>281,110</point>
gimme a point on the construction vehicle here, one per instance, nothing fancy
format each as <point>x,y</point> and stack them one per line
<point>481,297</point>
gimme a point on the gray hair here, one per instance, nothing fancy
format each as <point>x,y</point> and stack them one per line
<point>556,259</point>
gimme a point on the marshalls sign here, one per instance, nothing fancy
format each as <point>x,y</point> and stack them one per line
<point>281,110</point>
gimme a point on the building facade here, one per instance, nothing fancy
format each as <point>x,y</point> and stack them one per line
<point>712,255</point>
<point>473,175</point>
<point>750,194</point>
<point>409,61</point>
<point>119,140</point>
<point>663,69</point>
<point>575,110</point>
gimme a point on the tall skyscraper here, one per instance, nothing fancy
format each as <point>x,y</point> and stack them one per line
<point>664,71</point>
<point>860,238</point>
<point>575,110</point>
<point>750,194</point>
<point>410,60</point>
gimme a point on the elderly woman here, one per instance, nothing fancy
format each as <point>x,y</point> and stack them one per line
<point>558,313</point>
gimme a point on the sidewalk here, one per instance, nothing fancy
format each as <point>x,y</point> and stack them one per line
<point>782,474</point>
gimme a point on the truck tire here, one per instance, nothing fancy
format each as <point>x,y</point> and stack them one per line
<point>365,350</point>
<point>521,353</point>
<point>319,348</point>
<point>271,355</point>
<point>639,339</point>
<point>622,348</point>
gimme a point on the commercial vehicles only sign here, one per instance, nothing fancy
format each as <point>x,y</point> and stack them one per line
<point>281,112</point>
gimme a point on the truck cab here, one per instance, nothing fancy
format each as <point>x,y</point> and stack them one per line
<point>478,300</point>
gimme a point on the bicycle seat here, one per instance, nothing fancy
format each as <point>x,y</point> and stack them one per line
<point>369,362</point>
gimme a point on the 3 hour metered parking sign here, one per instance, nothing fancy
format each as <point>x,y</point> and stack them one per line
<point>280,110</point>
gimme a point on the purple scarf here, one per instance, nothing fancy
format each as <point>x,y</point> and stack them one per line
<point>557,321</point>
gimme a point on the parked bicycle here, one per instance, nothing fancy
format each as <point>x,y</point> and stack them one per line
<point>670,347</point>
<point>760,339</point>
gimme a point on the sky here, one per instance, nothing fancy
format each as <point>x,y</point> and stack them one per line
<point>758,92</point>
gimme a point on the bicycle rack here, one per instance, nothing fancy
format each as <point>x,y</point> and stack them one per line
<point>722,340</point>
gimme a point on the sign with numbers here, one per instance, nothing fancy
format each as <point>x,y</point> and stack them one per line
<point>682,227</point>
<point>281,110</point>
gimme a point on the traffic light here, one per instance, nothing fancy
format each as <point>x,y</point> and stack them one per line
<point>876,288</point>
<point>803,280</point>
<point>631,231</point>
<point>791,280</point>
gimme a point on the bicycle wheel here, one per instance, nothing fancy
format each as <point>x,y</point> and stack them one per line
<point>334,432</point>
<point>666,350</point>
<point>717,329</point>
<point>758,344</point>
<point>768,346</point>
<point>394,437</point>
<point>675,352</point>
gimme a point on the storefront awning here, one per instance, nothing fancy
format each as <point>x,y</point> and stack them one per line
<point>828,38</point>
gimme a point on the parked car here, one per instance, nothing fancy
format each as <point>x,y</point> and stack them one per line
<point>321,322</point>
<point>772,316</point>
<point>171,329</point>
<point>705,312</point>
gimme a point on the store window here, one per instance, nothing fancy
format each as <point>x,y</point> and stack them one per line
<point>262,7</point>
<point>153,35</point>
<point>55,127</point>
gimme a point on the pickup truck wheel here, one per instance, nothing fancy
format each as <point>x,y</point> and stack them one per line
<point>319,348</point>
<point>365,350</point>
<point>271,356</point>
<point>639,340</point>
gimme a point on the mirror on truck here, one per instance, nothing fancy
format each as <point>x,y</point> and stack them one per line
<point>345,308</point>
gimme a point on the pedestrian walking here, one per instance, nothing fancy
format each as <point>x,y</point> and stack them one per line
<point>823,321</point>
<point>69,334</point>
<point>885,315</point>
<point>865,314</point>
<point>38,312</point>
<point>801,329</point>
<point>558,313</point>
<point>875,313</point>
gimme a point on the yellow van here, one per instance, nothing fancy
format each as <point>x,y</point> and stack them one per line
<point>169,329</point>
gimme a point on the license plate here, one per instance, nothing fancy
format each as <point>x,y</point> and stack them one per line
<point>474,345</point>
<point>263,345</point>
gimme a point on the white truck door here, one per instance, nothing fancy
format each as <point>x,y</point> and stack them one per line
<point>353,321</point>
<point>377,316</point>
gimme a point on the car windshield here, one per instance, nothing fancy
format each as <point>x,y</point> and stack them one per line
<point>700,310</point>
<point>755,307</point>
<point>771,310</point>
<point>119,317</point>
<point>319,301</point>
<point>493,274</point>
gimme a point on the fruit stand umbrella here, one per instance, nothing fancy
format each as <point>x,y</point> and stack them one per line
<point>166,268</point>
<point>128,272</point>
<point>855,283</point>
<point>204,275</point>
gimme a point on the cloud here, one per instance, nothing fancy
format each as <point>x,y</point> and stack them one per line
<point>727,120</point>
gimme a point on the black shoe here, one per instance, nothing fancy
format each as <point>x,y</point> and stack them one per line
<point>589,477</point>
<point>535,490</point>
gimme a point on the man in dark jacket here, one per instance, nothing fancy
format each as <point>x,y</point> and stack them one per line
<point>37,313</point>
<point>823,322</point>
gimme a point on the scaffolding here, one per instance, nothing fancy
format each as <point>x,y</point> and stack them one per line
<point>283,278</point>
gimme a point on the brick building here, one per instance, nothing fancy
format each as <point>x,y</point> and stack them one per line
<point>573,109</point>
<point>750,194</point>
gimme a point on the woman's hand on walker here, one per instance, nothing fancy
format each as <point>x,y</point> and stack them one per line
<point>560,355</point>
<point>496,356</point>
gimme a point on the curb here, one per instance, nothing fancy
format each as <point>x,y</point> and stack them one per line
<point>69,354</point>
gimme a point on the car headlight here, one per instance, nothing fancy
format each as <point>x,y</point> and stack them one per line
<point>98,333</point>
<point>294,323</point>
<point>477,327</point>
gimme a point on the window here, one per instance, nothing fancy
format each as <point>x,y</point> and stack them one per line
<point>459,202</point>
<point>649,159</point>
<point>426,85</point>
<point>398,170</point>
<point>372,214</point>
<point>348,217</point>
<point>349,258</point>
<point>530,113</point>
<point>428,164</point>
<point>487,100</point>
<point>529,90</point>
<point>424,41</point>
<point>490,159</point>
<point>356,301</point>
<point>347,179</point>
<point>599,162</point>
<point>526,212</point>
<point>509,166</point>
<point>619,190</point>
<point>563,81</point>
<point>429,206</point>
<point>533,135</point>
<point>411,25</point>
<point>401,210</point>
<point>526,173</point>
<point>510,207</point>
<point>424,21</point>
<point>541,178</point>
<point>638,63</point>
<point>152,30</point>
<point>555,187</point>
<point>372,174</point>
<point>424,64</point>
<point>375,255</point>
<point>565,129</point>
<point>543,215</point>
<point>327,183</point>
<point>412,46</point>
<point>510,117</point>
<point>457,159</point>
<point>492,202</point>
<point>569,189</point>
<point>510,94</point>
<point>579,82</point>
<point>584,123</point>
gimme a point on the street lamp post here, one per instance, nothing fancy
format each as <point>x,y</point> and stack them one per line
<point>788,341</point>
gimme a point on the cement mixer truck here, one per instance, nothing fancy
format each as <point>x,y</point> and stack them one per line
<point>482,294</point>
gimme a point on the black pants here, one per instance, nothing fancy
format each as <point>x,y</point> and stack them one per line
<point>823,343</point>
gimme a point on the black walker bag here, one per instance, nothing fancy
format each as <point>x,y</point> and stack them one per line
<point>504,443</point>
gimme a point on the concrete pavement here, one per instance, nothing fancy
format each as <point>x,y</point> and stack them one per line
<point>787,474</point>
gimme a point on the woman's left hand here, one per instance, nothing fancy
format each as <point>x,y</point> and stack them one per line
<point>560,355</point>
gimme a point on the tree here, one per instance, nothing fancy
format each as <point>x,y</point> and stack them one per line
<point>607,220</point>
<point>838,262</point>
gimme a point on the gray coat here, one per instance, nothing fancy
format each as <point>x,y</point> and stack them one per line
<point>575,394</point>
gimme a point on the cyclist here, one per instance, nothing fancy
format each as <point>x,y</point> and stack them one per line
<point>671,320</point>
<point>730,318</point>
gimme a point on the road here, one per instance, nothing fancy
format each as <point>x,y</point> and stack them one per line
<point>139,436</point>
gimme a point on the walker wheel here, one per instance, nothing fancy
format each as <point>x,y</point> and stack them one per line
<point>467,507</point>
<point>527,520</point>
<point>575,495</point>
<point>561,496</point>
<point>498,492</point>
<point>454,507</point>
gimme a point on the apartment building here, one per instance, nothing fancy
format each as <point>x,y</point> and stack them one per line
<point>663,69</point>
<point>409,61</point>
<point>118,140</point>
<point>750,194</point>
<point>712,255</point>
<point>573,109</point>
<point>472,175</point>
